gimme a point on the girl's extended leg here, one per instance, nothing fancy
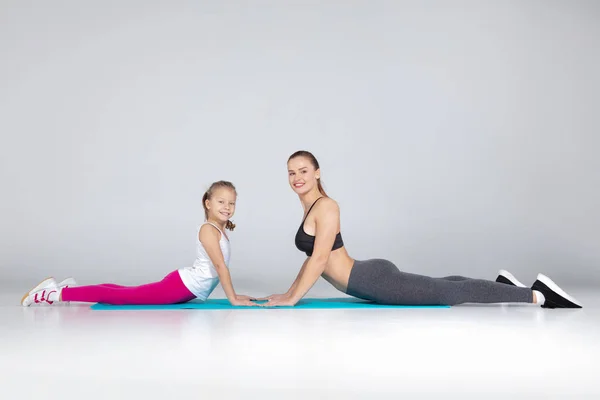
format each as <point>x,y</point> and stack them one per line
<point>112,285</point>
<point>168,291</point>
<point>380,281</point>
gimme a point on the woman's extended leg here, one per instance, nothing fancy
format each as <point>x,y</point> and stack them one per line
<point>381,281</point>
<point>455,278</point>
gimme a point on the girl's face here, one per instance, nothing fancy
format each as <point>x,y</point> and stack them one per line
<point>221,205</point>
<point>302,175</point>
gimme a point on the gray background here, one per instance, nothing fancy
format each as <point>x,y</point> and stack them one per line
<point>458,137</point>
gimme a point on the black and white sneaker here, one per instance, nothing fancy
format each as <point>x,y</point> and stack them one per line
<point>555,296</point>
<point>508,278</point>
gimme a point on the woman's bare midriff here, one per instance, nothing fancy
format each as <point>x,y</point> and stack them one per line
<point>338,268</point>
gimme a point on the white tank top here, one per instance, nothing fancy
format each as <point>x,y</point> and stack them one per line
<point>202,277</point>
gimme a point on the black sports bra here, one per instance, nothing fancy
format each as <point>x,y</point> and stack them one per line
<point>306,242</point>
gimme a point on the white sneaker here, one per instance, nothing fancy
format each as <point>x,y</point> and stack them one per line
<point>69,282</point>
<point>41,293</point>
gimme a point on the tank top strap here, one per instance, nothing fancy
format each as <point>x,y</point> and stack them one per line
<point>210,223</point>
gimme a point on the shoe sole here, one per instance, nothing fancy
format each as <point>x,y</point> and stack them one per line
<point>511,278</point>
<point>553,286</point>
<point>36,288</point>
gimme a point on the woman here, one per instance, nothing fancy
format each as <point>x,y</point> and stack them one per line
<point>380,280</point>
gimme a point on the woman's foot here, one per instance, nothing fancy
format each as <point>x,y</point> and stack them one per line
<point>508,278</point>
<point>554,296</point>
<point>46,292</point>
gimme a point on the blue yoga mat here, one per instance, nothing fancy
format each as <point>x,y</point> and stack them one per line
<point>223,304</point>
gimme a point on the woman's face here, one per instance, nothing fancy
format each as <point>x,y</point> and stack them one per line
<point>302,175</point>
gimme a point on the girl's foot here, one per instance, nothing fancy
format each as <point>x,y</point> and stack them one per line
<point>554,296</point>
<point>508,278</point>
<point>46,292</point>
<point>69,282</point>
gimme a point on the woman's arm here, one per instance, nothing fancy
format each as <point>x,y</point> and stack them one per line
<point>209,237</point>
<point>287,294</point>
<point>327,217</point>
<point>300,273</point>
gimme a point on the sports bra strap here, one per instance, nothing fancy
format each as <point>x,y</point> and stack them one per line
<point>311,207</point>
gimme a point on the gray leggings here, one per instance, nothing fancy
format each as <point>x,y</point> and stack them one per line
<point>380,281</point>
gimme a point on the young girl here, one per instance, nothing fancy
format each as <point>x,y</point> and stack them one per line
<point>195,282</point>
<point>380,280</point>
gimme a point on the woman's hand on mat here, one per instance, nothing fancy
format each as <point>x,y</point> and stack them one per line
<point>237,302</point>
<point>276,297</point>
<point>286,301</point>
<point>244,297</point>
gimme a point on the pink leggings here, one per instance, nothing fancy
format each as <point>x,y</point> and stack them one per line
<point>170,290</point>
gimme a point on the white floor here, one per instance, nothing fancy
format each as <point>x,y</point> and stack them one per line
<point>466,352</point>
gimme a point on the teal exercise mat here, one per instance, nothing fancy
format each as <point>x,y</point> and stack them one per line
<point>223,304</point>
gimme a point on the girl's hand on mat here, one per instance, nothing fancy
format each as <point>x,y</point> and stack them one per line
<point>243,303</point>
<point>243,297</point>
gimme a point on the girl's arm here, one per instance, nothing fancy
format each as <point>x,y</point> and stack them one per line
<point>327,217</point>
<point>209,237</point>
